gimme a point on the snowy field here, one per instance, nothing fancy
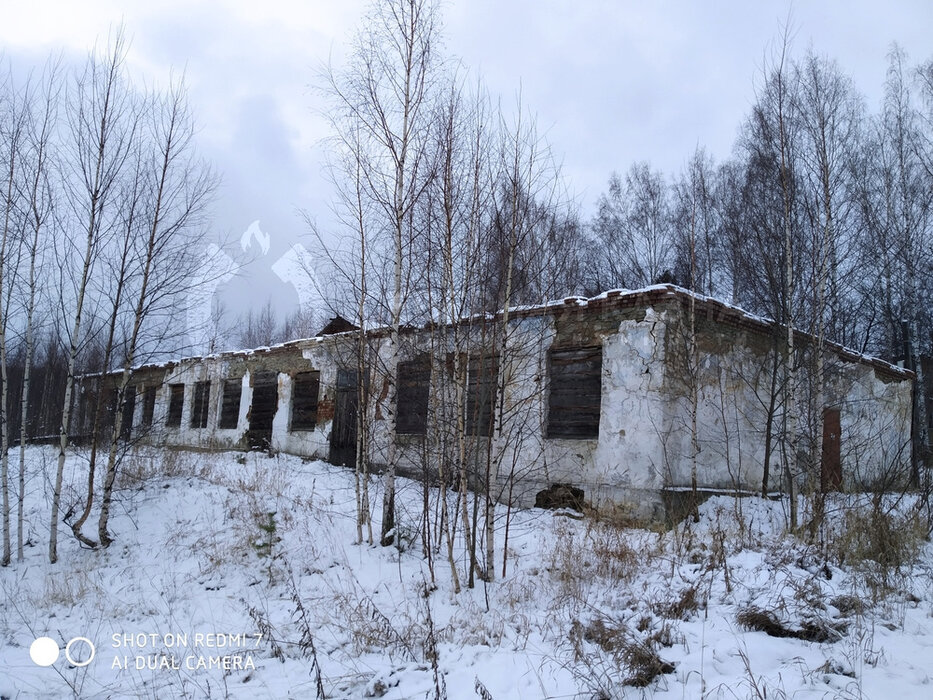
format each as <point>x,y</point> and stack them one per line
<point>203,595</point>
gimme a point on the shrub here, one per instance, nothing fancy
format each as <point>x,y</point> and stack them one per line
<point>880,540</point>
<point>814,630</point>
<point>608,658</point>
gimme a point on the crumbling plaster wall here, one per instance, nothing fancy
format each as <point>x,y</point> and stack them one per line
<point>630,458</point>
<point>731,373</point>
<point>734,382</point>
<point>523,460</point>
<point>875,416</point>
<point>316,355</point>
<point>188,372</point>
<point>644,444</point>
<point>622,465</point>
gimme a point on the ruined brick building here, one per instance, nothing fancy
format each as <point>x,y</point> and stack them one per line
<point>627,396</point>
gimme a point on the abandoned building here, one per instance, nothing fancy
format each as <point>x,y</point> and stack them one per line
<point>628,396</point>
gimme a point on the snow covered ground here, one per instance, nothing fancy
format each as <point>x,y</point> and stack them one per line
<point>203,595</point>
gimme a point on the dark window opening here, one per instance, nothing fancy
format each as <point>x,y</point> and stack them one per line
<point>230,405</point>
<point>149,398</point>
<point>200,403</point>
<point>482,378</point>
<point>176,403</point>
<point>414,383</point>
<point>305,389</point>
<point>575,394</point>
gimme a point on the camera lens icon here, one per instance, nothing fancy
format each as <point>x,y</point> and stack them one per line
<point>44,651</point>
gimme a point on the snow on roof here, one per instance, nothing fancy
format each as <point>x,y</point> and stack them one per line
<point>720,311</point>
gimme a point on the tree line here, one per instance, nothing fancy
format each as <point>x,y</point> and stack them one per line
<point>102,202</point>
<point>820,217</point>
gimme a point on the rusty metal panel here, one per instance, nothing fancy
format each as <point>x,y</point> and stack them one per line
<point>149,398</point>
<point>108,419</point>
<point>263,409</point>
<point>344,426</point>
<point>575,392</point>
<point>129,407</point>
<point>831,467</point>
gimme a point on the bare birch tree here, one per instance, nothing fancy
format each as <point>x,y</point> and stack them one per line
<point>634,226</point>
<point>176,188</point>
<point>100,144</point>
<point>13,123</point>
<point>385,95</point>
<point>775,248</point>
<point>830,118</point>
<point>40,192</point>
<point>460,207</point>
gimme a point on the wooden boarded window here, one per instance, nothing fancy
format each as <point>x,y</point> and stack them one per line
<point>88,399</point>
<point>414,383</point>
<point>129,408</point>
<point>200,403</point>
<point>831,472</point>
<point>305,387</point>
<point>482,378</point>
<point>575,395</point>
<point>230,406</point>
<point>110,411</point>
<point>344,428</point>
<point>149,398</point>
<point>176,402</point>
<point>263,409</point>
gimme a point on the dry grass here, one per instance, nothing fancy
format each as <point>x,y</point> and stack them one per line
<point>142,465</point>
<point>814,630</point>
<point>880,537</point>
<point>609,657</point>
<point>75,588</point>
<point>681,608</point>
<point>848,604</point>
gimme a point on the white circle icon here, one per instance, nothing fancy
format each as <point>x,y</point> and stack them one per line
<point>44,651</point>
<point>75,662</point>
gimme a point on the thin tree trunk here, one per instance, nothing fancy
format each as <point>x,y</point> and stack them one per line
<point>693,360</point>
<point>152,246</point>
<point>69,389</point>
<point>361,473</point>
<point>24,401</point>
<point>39,209</point>
<point>790,417</point>
<point>769,421</point>
<point>4,437</point>
<point>102,397</point>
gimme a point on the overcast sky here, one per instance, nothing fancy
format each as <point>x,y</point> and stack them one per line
<point>611,82</point>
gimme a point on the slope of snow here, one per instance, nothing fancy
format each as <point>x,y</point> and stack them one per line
<point>225,602</point>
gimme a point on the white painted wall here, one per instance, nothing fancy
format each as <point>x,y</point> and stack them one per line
<point>644,442</point>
